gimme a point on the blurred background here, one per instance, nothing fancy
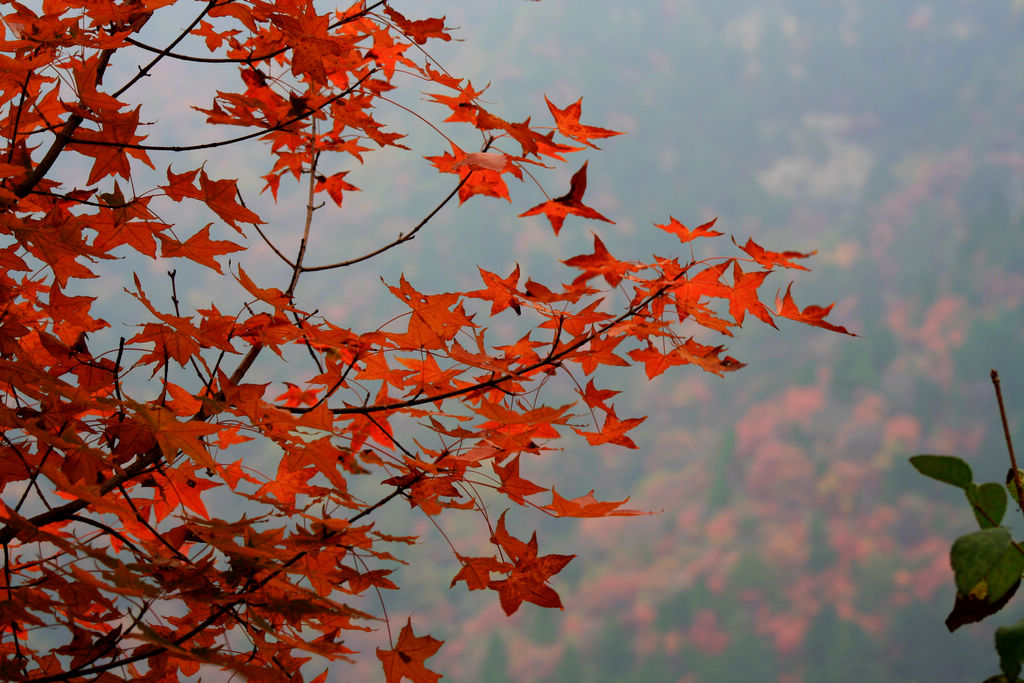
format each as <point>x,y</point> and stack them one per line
<point>794,542</point>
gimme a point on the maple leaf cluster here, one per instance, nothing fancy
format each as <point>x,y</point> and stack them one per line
<point>136,536</point>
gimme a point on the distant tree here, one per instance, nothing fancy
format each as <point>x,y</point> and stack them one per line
<point>140,538</point>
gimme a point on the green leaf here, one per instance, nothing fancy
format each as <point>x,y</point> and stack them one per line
<point>988,502</point>
<point>1011,486</point>
<point>948,469</point>
<point>1010,646</point>
<point>987,556</point>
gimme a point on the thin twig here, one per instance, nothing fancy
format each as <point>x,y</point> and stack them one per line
<point>402,237</point>
<point>1015,472</point>
<point>553,359</point>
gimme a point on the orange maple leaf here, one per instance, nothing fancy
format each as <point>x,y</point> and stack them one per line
<point>596,398</point>
<point>512,485</point>
<point>408,658</point>
<point>569,125</point>
<point>173,435</point>
<point>295,396</point>
<point>476,571</point>
<point>601,262</point>
<point>114,144</point>
<point>419,30</point>
<point>685,234</point>
<point>220,195</point>
<point>527,580</point>
<point>480,172</point>
<point>588,506</point>
<point>812,315</point>
<point>271,295</point>
<point>613,431</point>
<point>570,203</point>
<point>501,292</point>
<point>199,248</point>
<point>769,259</point>
<point>334,185</point>
<point>743,297</point>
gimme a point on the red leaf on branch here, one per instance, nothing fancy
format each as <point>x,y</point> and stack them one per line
<point>812,315</point>
<point>480,172</point>
<point>685,234</point>
<point>476,571</point>
<point>512,485</point>
<point>569,125</point>
<point>334,185</point>
<point>409,656</point>
<point>769,259</point>
<point>114,148</point>
<point>222,197</point>
<point>601,262</point>
<point>527,580</point>
<point>199,248</point>
<point>419,30</point>
<point>613,431</point>
<point>571,203</point>
<point>501,292</point>
<point>743,297</point>
<point>588,506</point>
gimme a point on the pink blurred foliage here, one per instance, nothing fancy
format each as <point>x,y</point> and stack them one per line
<point>785,629</point>
<point>706,635</point>
<point>935,334</point>
<point>807,470</point>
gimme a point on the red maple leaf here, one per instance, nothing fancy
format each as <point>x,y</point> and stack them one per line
<point>115,142</point>
<point>408,658</point>
<point>296,396</point>
<point>476,571</point>
<point>182,185</point>
<point>601,262</point>
<point>480,172</point>
<point>706,357</point>
<point>419,30</point>
<point>512,485</point>
<point>685,234</point>
<point>569,125</point>
<point>769,259</point>
<point>812,315</point>
<point>221,196</point>
<point>571,203</point>
<point>743,297</point>
<point>527,579</point>
<point>596,398</point>
<point>271,295</point>
<point>501,292</point>
<point>334,185</point>
<point>613,431</point>
<point>587,506</point>
<point>199,248</point>
<point>463,106</point>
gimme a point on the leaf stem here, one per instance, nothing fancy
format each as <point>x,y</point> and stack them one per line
<point>1015,472</point>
